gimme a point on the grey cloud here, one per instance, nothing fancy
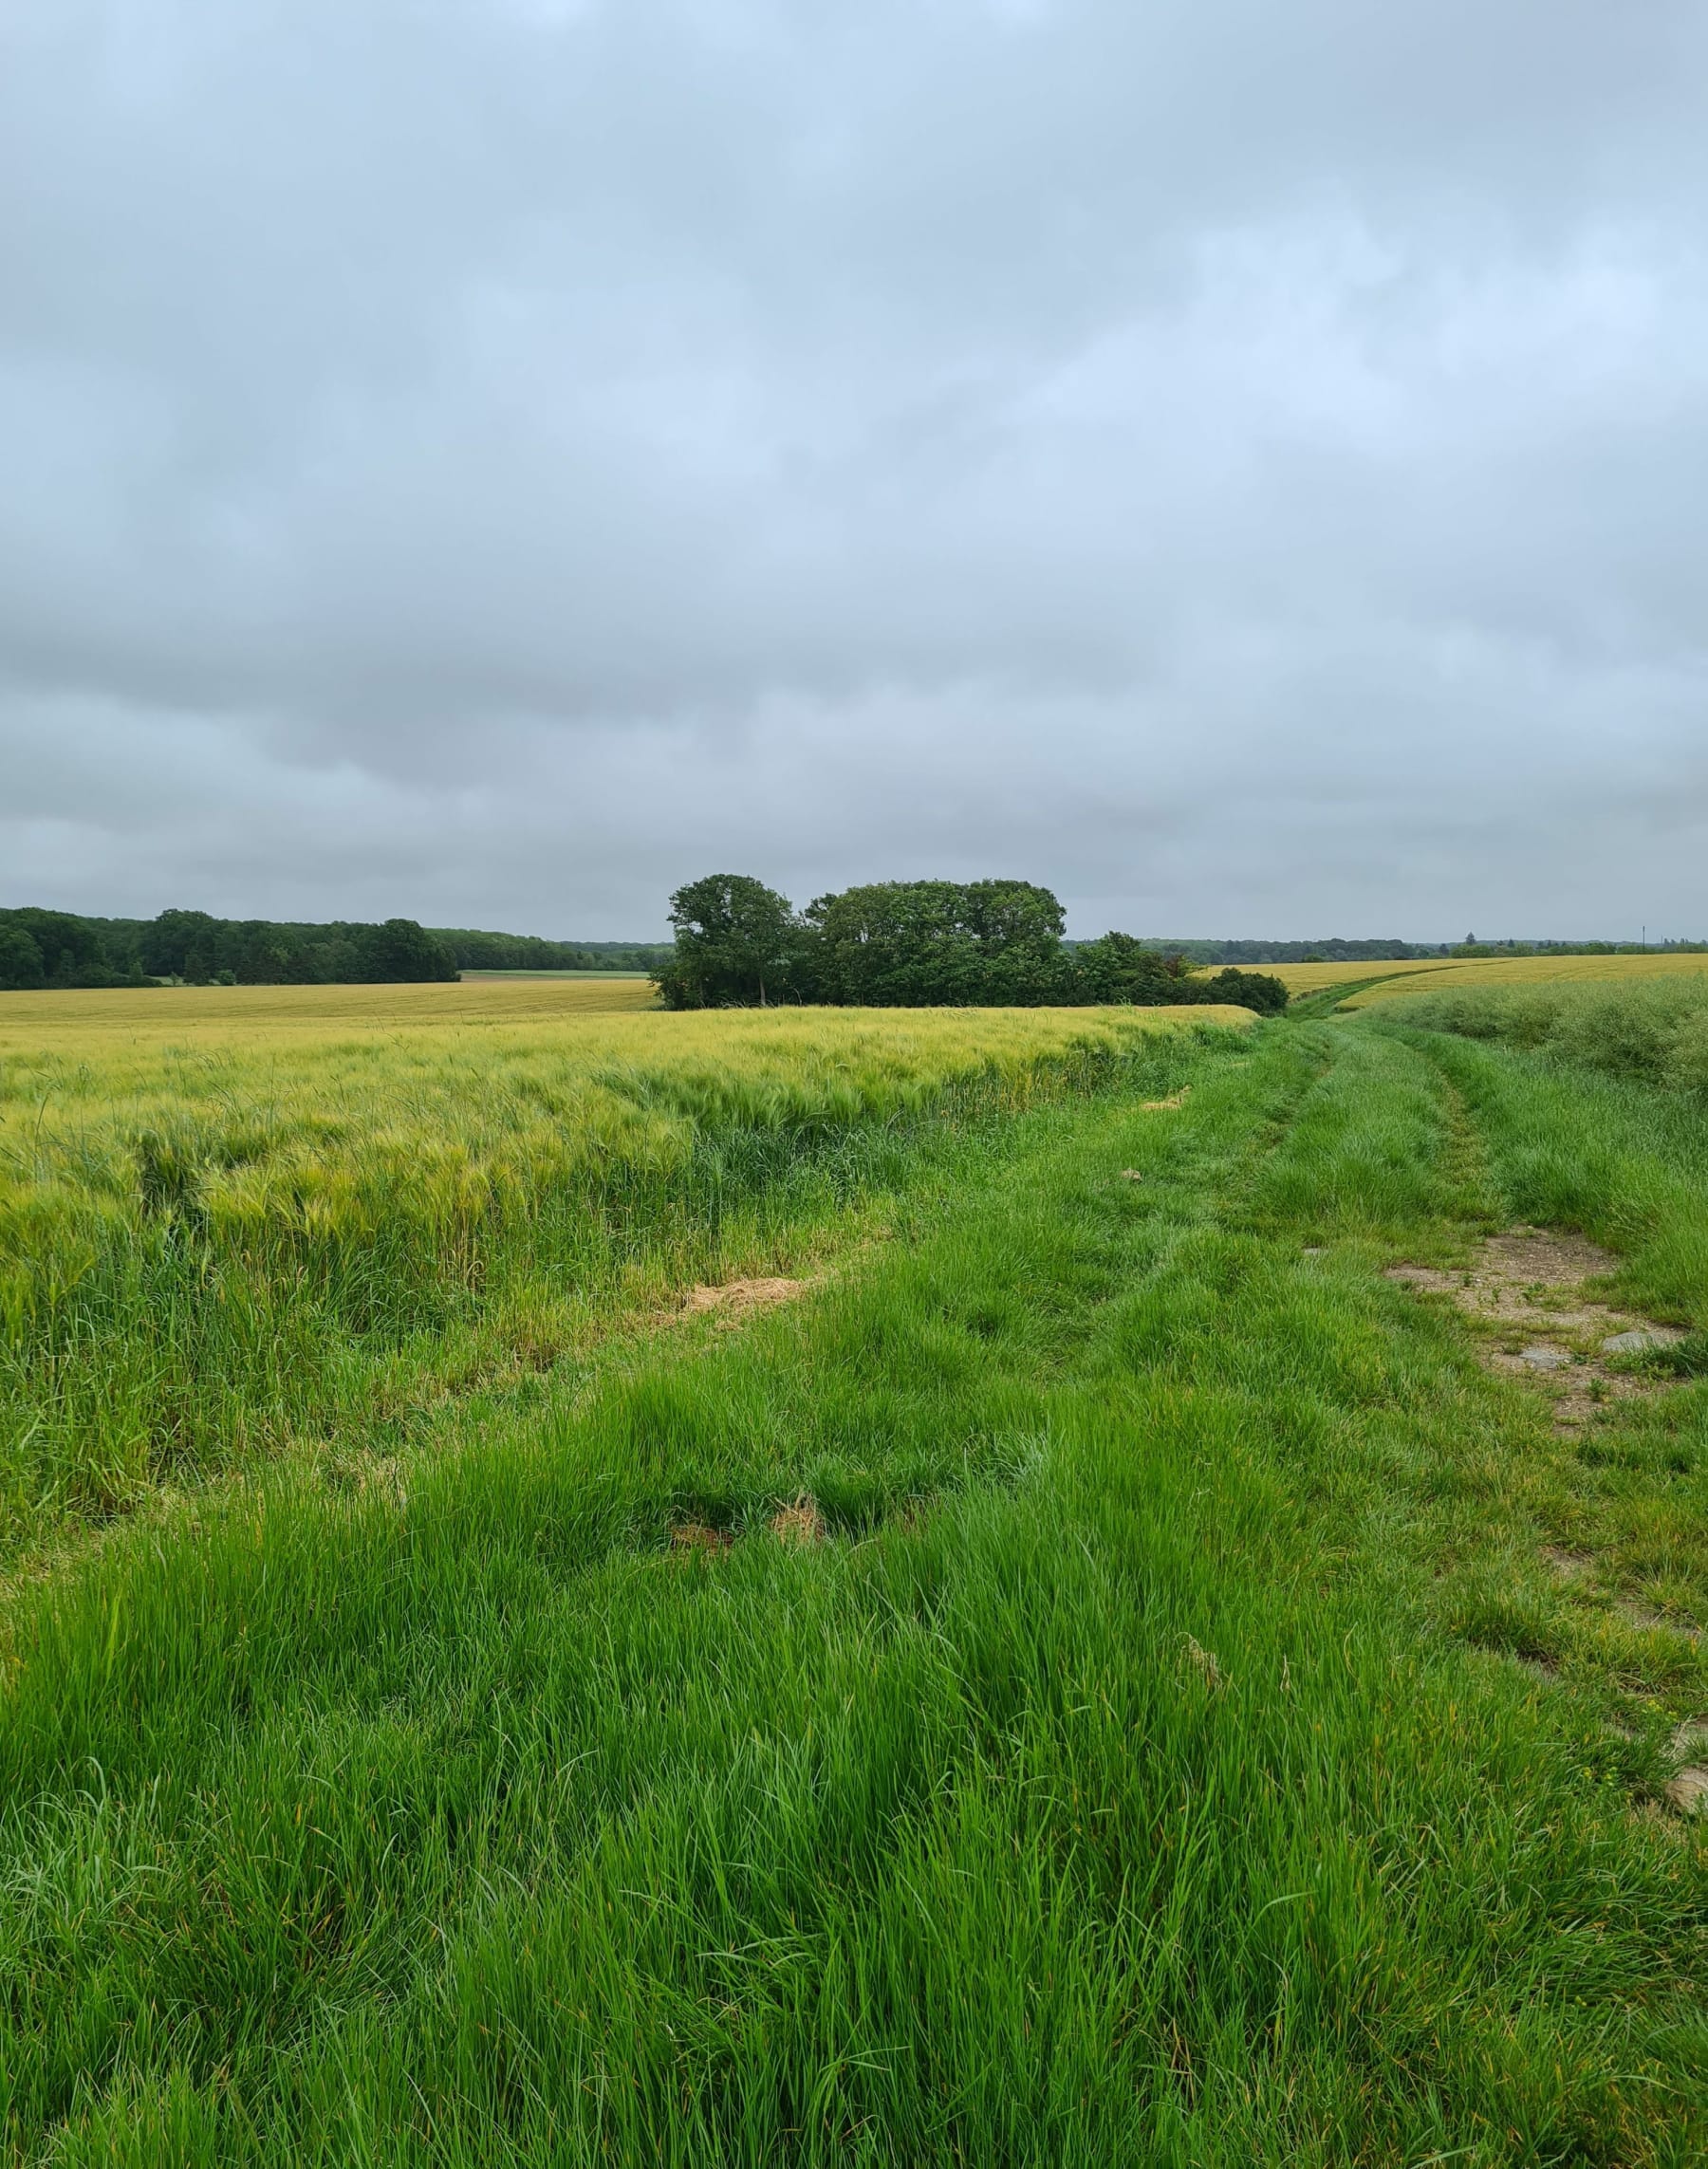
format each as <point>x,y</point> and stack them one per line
<point>1244,466</point>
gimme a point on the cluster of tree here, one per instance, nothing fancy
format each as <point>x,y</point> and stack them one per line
<point>916,944</point>
<point>476,951</point>
<point>59,949</point>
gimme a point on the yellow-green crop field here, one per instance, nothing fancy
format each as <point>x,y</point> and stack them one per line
<point>204,1016</point>
<point>232,1217</point>
<point>1537,971</point>
<point>928,1588</point>
<point>1413,975</point>
<point>1313,979</point>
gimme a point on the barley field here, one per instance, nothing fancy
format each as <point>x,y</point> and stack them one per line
<point>104,1019</point>
<point>1314,978</point>
<point>1491,971</point>
<point>1407,975</point>
<point>895,1589</point>
<point>234,1217</point>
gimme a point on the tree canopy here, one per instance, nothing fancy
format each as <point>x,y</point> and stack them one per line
<point>917,945</point>
<point>736,941</point>
<point>59,949</point>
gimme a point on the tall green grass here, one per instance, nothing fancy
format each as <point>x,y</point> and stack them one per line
<point>1135,1773</point>
<point>1654,1032</point>
<point>207,1256</point>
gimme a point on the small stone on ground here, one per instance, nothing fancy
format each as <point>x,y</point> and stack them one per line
<point>1687,1790</point>
<point>1638,1338</point>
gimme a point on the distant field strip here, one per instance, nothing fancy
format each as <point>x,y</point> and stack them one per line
<point>1394,971</point>
<point>181,1016</point>
<point>235,1217</point>
<point>639,977</point>
<point>1531,971</point>
<point>1313,979</point>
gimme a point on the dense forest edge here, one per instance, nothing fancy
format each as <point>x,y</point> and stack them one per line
<point>41,948</point>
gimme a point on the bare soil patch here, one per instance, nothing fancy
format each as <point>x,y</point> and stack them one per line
<point>1526,1288</point>
<point>1687,1790</point>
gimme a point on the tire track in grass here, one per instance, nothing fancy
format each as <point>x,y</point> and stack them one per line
<point>1099,1812</point>
<point>1568,1610</point>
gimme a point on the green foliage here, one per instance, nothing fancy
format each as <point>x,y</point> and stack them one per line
<point>399,951</point>
<point>1259,991</point>
<point>923,944</point>
<point>736,943</point>
<point>207,1251</point>
<point>1651,1030</point>
<point>193,946</point>
<point>181,945</point>
<point>52,948</point>
<point>919,945</point>
<point>21,963</point>
<point>478,951</point>
<point>1119,969</point>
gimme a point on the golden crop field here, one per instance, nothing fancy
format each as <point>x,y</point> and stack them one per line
<point>203,1016</point>
<point>217,1204</point>
<point>1312,978</point>
<point>1533,971</point>
<point>1411,974</point>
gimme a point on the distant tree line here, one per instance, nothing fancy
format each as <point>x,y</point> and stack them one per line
<point>42,948</point>
<point>916,944</point>
<point>59,949</point>
<point>1339,952</point>
<point>478,952</point>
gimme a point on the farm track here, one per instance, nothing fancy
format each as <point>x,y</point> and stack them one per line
<point>1114,1703</point>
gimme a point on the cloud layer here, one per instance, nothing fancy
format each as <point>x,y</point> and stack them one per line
<point>1245,467</point>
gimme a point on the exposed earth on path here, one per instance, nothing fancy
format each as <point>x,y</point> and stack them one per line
<point>1527,1288</point>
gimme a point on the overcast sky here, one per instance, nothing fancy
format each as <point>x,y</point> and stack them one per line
<point>1243,465</point>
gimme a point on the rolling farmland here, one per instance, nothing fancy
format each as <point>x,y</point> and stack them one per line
<point>1412,974</point>
<point>887,1586</point>
<point>1491,971</point>
<point>235,1217</point>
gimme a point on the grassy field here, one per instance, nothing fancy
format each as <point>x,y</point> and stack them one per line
<point>1090,1679</point>
<point>1650,1028</point>
<point>233,1220</point>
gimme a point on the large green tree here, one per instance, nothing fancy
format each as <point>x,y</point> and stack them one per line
<point>919,944</point>
<point>737,942</point>
<point>175,941</point>
<point>402,950</point>
<point>70,949</point>
<point>1119,969</point>
<point>20,956</point>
